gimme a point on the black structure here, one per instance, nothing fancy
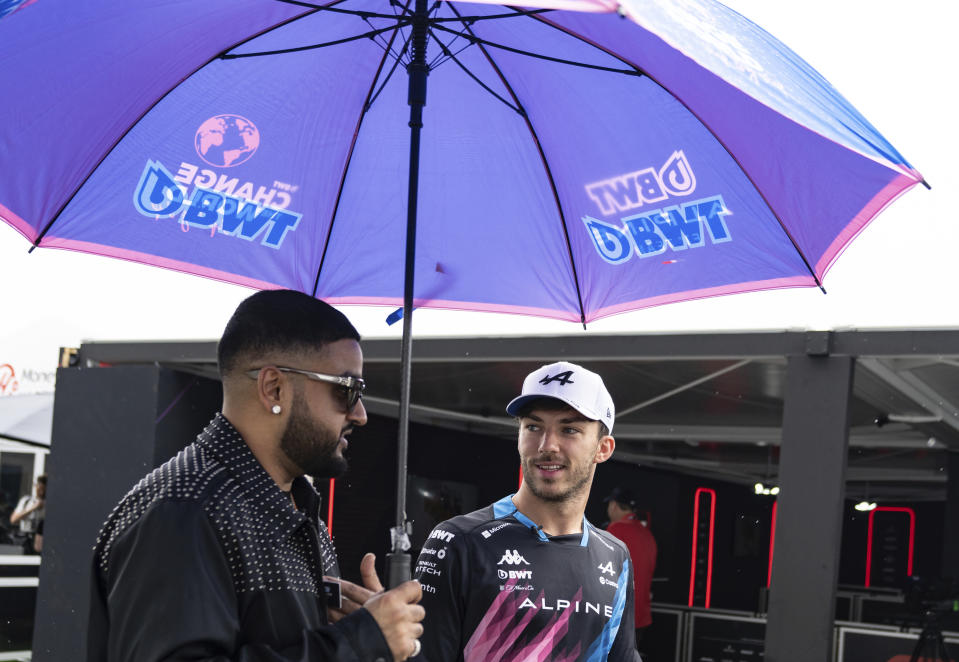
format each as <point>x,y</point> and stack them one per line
<point>812,480</point>
<point>824,416</point>
<point>110,427</point>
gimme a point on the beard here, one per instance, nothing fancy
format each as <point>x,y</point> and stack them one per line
<point>311,445</point>
<point>577,481</point>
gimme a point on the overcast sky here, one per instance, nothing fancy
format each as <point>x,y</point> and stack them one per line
<point>894,61</point>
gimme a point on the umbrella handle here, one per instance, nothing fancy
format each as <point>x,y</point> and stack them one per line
<point>397,568</point>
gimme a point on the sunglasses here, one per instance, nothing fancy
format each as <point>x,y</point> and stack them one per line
<point>352,387</point>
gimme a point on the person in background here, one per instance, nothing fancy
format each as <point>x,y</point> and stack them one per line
<point>29,513</point>
<point>625,524</point>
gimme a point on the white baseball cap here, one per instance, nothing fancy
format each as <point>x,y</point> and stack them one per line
<point>581,389</point>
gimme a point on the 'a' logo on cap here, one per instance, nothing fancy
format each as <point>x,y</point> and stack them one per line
<point>563,378</point>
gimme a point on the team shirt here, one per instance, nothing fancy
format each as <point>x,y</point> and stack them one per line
<point>496,587</point>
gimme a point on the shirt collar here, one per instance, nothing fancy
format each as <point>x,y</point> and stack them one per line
<point>270,505</point>
<point>505,507</point>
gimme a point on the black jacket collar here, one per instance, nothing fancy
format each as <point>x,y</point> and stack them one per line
<point>275,511</point>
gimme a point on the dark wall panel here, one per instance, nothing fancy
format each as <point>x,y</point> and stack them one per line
<point>364,498</point>
<point>106,437</point>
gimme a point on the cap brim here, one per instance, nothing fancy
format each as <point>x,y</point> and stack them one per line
<point>516,404</point>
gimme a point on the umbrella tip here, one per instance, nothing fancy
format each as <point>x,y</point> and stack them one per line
<point>926,184</point>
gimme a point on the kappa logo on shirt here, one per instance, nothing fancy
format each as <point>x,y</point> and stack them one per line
<point>512,557</point>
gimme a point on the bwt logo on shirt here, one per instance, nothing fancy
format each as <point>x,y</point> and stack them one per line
<point>512,557</point>
<point>515,574</point>
<point>445,536</point>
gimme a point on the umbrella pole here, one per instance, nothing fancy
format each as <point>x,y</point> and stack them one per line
<point>418,69</point>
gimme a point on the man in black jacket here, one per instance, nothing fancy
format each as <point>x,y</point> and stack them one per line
<point>220,553</point>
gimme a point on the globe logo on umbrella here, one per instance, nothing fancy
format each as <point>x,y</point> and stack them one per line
<point>224,141</point>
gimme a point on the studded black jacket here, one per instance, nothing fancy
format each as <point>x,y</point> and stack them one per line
<point>207,559</point>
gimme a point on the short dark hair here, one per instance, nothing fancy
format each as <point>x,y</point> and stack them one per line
<point>42,478</point>
<point>279,321</point>
<point>554,404</point>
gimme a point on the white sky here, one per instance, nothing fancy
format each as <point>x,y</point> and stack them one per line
<point>894,61</point>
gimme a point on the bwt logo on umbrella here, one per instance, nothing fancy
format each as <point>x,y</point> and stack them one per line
<point>225,141</point>
<point>159,195</point>
<point>651,232</point>
<point>218,203</point>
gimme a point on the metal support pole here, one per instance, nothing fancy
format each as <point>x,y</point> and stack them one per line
<point>417,70</point>
<point>802,594</point>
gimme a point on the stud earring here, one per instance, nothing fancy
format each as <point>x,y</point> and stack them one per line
<point>277,409</point>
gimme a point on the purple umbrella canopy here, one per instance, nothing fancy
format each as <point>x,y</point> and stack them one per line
<point>573,164</point>
<point>572,160</point>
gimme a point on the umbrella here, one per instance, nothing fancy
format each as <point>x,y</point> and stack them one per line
<point>574,159</point>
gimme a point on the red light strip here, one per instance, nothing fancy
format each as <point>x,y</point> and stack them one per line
<point>709,561</point>
<point>912,538</point>
<point>772,541</point>
<point>329,511</point>
<point>692,564</point>
<point>709,564</point>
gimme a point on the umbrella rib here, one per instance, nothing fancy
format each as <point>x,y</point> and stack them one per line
<point>396,63</point>
<point>335,42</point>
<point>469,73</point>
<point>355,12</point>
<point>518,13</point>
<point>546,167</point>
<point>719,140</point>
<point>349,157</point>
<point>469,35</point>
<point>53,219</point>
<point>397,56</point>
<point>515,13</point>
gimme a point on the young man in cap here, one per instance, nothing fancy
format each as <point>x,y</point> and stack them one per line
<point>625,525</point>
<point>220,553</point>
<point>528,578</point>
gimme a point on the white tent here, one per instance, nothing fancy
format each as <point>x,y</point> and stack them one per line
<point>26,421</point>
